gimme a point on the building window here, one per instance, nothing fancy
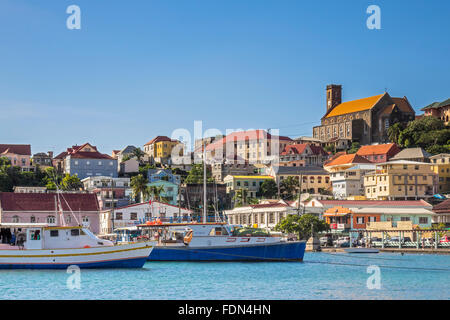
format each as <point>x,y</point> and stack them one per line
<point>405,219</point>
<point>15,219</point>
<point>423,220</point>
<point>360,220</point>
<point>133,216</point>
<point>118,215</point>
<point>51,219</point>
<point>32,219</point>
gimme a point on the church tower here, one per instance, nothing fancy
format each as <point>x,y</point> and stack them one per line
<point>334,96</point>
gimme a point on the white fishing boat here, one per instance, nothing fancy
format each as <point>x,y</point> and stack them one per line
<point>361,250</point>
<point>39,246</point>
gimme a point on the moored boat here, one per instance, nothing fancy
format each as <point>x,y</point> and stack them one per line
<point>39,246</point>
<point>361,250</point>
<point>218,242</point>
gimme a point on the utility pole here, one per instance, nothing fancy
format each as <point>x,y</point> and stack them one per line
<point>112,203</point>
<point>300,178</point>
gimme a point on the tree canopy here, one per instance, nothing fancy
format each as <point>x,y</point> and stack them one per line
<point>428,132</point>
<point>195,175</point>
<point>268,189</point>
<point>301,225</point>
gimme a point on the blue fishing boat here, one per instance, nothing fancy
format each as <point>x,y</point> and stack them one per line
<point>217,242</point>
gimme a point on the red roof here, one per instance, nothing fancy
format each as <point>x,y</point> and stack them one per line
<point>10,201</point>
<point>294,149</point>
<point>375,149</point>
<point>22,149</point>
<point>443,207</point>
<point>245,136</point>
<point>347,159</point>
<point>75,152</point>
<point>268,205</point>
<point>158,139</point>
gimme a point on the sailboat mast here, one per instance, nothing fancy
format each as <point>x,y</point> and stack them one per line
<point>204,181</point>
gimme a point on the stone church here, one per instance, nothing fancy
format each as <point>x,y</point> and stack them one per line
<point>364,120</point>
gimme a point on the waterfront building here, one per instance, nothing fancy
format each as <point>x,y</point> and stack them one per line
<point>442,211</point>
<point>413,154</point>
<point>43,208</point>
<point>43,160</point>
<point>18,154</point>
<point>160,148</point>
<point>378,153</point>
<point>253,146</point>
<point>300,155</point>
<point>308,140</point>
<point>85,161</point>
<point>109,191</point>
<point>249,183</point>
<point>401,179</point>
<point>133,214</point>
<point>35,189</point>
<point>441,166</point>
<point>266,214</point>
<point>364,120</point>
<point>418,212</point>
<point>440,110</point>
<point>313,179</point>
<point>169,190</point>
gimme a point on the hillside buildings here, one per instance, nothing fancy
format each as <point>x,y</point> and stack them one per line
<point>18,154</point>
<point>441,166</point>
<point>401,180</point>
<point>440,110</point>
<point>253,146</point>
<point>85,161</point>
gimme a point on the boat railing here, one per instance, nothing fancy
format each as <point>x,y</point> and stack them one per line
<point>181,219</point>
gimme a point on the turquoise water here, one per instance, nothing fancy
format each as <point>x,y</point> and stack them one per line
<point>320,276</point>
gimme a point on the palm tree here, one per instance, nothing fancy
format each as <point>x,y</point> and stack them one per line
<point>139,186</point>
<point>240,197</point>
<point>155,192</point>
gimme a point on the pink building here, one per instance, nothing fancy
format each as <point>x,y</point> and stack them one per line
<point>18,154</point>
<point>78,209</point>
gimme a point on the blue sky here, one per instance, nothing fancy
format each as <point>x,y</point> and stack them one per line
<point>137,69</point>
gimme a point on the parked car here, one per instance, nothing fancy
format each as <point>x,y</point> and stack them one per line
<point>445,239</point>
<point>326,241</point>
<point>342,242</point>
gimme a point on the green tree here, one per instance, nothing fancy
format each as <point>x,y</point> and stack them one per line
<point>268,189</point>
<point>195,175</point>
<point>139,154</point>
<point>354,148</point>
<point>71,183</point>
<point>139,186</point>
<point>302,225</point>
<point>155,192</point>
<point>240,197</point>
<point>289,186</point>
<point>394,132</point>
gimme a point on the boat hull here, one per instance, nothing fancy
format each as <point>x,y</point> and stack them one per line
<point>132,255</point>
<point>284,251</point>
<point>361,250</point>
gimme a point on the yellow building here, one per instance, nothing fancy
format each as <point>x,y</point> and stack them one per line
<point>400,180</point>
<point>160,148</point>
<point>441,166</point>
<point>249,183</point>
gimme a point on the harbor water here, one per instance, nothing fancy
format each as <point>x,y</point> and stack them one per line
<point>320,276</point>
